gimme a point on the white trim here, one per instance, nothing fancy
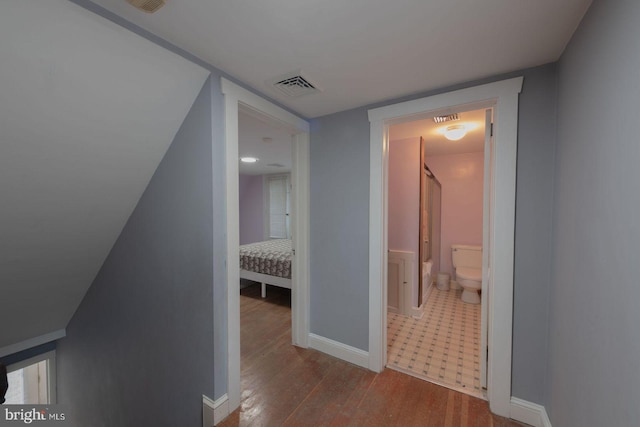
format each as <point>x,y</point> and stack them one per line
<point>487,195</point>
<point>220,409</point>
<point>339,350</point>
<point>529,413</point>
<point>378,257</point>
<point>503,97</point>
<point>300,210</point>
<point>263,107</point>
<point>404,255</point>
<point>213,412</point>
<point>32,342</point>
<point>208,412</point>
<point>234,98</point>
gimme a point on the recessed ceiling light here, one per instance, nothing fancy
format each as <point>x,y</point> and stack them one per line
<point>248,159</point>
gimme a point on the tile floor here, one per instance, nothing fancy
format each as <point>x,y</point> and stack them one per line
<point>443,346</point>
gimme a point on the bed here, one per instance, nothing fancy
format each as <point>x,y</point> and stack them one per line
<point>267,262</point>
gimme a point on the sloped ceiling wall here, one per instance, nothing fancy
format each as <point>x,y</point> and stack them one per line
<point>87,111</point>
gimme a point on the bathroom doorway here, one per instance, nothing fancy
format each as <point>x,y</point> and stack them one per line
<point>502,96</point>
<point>440,337</point>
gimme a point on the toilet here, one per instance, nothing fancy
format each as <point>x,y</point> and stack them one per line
<point>467,263</point>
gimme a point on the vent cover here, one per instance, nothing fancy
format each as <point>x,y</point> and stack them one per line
<point>275,165</point>
<point>148,6</point>
<point>450,118</point>
<point>294,85</point>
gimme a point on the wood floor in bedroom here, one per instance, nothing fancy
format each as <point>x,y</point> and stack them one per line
<point>287,385</point>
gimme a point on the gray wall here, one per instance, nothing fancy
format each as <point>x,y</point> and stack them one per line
<point>219,190</point>
<point>594,354</point>
<point>139,349</point>
<point>339,226</point>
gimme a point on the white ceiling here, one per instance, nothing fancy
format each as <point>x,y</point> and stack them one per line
<point>87,111</point>
<point>435,142</point>
<point>251,131</point>
<point>363,51</point>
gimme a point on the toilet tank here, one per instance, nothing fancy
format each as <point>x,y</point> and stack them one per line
<point>466,256</point>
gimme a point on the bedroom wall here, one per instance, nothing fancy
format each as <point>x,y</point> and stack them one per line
<point>140,348</point>
<point>462,179</point>
<point>404,201</point>
<point>251,192</point>
<point>594,352</point>
<point>340,212</point>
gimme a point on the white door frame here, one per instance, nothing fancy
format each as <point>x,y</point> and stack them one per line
<point>236,97</point>
<point>503,97</point>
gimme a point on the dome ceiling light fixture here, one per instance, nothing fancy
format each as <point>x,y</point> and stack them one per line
<point>248,159</point>
<point>455,132</point>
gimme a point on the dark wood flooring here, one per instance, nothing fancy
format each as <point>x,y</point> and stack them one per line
<point>291,386</point>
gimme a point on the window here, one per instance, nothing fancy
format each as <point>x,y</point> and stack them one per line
<point>32,381</point>
<point>278,206</point>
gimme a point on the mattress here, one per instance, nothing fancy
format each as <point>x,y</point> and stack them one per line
<point>272,257</point>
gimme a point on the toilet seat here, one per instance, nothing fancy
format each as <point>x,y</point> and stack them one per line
<point>469,273</point>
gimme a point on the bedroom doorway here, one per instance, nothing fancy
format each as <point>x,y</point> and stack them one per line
<point>238,100</point>
<point>265,195</point>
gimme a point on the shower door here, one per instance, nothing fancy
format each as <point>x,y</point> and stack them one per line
<point>430,218</point>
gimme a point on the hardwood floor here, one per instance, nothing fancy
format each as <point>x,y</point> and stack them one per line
<point>287,385</point>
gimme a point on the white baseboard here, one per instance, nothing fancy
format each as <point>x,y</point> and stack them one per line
<point>339,350</point>
<point>529,413</point>
<point>417,312</point>
<point>32,342</point>
<point>214,411</point>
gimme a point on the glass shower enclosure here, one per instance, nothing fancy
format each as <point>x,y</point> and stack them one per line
<point>430,225</point>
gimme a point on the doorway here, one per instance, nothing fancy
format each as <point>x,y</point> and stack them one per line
<point>502,96</point>
<point>437,195</point>
<point>238,99</point>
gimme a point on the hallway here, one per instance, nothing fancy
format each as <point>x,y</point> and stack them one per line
<point>287,385</point>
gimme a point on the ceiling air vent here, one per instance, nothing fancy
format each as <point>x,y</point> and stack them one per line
<point>148,6</point>
<point>275,165</point>
<point>450,118</point>
<point>294,85</point>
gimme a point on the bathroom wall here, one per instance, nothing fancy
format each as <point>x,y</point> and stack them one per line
<point>251,192</point>
<point>461,176</point>
<point>404,201</point>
